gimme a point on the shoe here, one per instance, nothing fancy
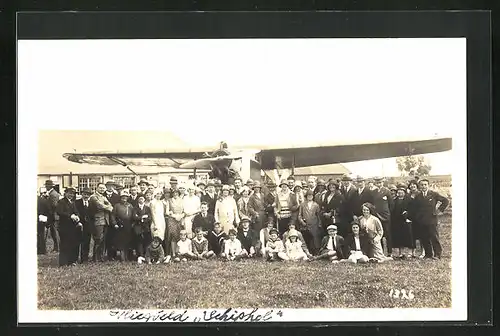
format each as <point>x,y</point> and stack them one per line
<point>184,259</point>
<point>140,260</point>
<point>167,259</point>
<point>73,264</point>
<point>436,258</point>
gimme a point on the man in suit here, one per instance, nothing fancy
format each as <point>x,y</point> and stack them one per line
<point>100,211</point>
<point>113,197</point>
<point>143,186</point>
<point>332,246</point>
<point>427,212</point>
<point>69,228</point>
<point>54,198</point>
<point>384,203</point>
<point>210,197</point>
<point>134,195</point>
<point>204,220</point>
<point>249,238</point>
<point>351,201</point>
<point>82,205</point>
<point>45,220</point>
<point>365,195</point>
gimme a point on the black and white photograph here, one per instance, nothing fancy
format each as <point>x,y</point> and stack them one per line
<point>307,178</point>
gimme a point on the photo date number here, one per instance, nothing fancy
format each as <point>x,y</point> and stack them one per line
<point>401,294</point>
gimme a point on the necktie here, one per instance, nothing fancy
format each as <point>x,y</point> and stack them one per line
<point>86,203</point>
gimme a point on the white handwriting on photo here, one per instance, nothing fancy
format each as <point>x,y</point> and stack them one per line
<point>401,294</point>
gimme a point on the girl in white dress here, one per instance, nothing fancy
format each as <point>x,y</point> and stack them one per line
<point>293,247</point>
<point>192,206</point>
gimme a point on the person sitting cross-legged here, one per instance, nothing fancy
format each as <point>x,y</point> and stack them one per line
<point>294,247</point>
<point>357,245</point>
<point>184,248</point>
<point>200,245</point>
<point>300,238</point>
<point>331,246</point>
<point>249,238</point>
<point>232,247</point>
<point>275,250</point>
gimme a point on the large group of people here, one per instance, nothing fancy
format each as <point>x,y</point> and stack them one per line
<point>340,220</point>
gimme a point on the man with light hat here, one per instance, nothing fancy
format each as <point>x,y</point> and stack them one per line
<point>173,182</point>
<point>202,186</point>
<point>365,195</point>
<point>332,246</point>
<point>53,217</point>
<point>70,228</point>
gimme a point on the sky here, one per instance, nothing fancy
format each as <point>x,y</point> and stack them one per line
<point>251,92</point>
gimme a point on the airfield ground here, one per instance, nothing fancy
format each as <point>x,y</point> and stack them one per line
<point>249,283</point>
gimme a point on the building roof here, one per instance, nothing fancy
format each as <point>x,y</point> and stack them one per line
<point>330,169</point>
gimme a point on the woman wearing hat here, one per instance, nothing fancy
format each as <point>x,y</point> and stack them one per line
<point>286,203</point>
<point>242,203</point>
<point>309,223</point>
<point>175,212</point>
<point>192,206</point>
<point>401,225</point>
<point>413,192</point>
<point>122,219</point>
<point>332,208</point>
<point>256,207</point>
<point>226,210</point>
<point>159,210</point>
<point>70,228</point>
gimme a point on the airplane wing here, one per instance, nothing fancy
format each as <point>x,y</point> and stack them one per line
<point>172,159</point>
<point>282,158</point>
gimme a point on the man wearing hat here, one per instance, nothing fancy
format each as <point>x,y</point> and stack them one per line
<point>70,228</point>
<point>173,182</point>
<point>100,209</point>
<point>143,186</point>
<point>365,195</point>
<point>256,207</point>
<point>332,246</point>
<point>53,197</point>
<point>111,194</point>
<point>270,200</point>
<point>210,197</point>
<point>45,220</point>
<point>249,238</point>
<point>114,198</point>
<point>351,201</point>
<point>82,205</point>
<point>202,186</point>
<point>384,204</point>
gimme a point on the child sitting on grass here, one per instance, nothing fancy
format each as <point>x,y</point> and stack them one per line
<point>274,247</point>
<point>294,247</point>
<point>200,245</point>
<point>184,248</point>
<point>232,247</point>
<point>300,237</point>
<point>331,245</point>
<point>154,252</point>
<point>216,239</point>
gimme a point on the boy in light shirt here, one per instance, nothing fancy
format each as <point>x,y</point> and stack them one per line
<point>232,247</point>
<point>275,250</point>
<point>184,248</point>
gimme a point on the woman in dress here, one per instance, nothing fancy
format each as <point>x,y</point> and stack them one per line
<point>226,211</point>
<point>415,225</point>
<point>373,228</point>
<point>243,203</point>
<point>192,206</point>
<point>309,223</point>
<point>158,212</point>
<point>401,225</point>
<point>174,221</point>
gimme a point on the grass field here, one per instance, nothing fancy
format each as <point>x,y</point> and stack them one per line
<point>246,284</point>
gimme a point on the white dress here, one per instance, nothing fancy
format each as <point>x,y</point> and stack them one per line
<point>191,206</point>
<point>294,250</point>
<point>226,213</point>
<point>158,224</point>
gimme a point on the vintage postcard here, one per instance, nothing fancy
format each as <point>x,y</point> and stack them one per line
<point>242,180</point>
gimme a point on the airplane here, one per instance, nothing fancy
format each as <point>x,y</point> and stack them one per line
<point>250,163</point>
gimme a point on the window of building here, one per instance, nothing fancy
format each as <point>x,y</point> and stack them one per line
<point>125,180</point>
<point>90,182</point>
